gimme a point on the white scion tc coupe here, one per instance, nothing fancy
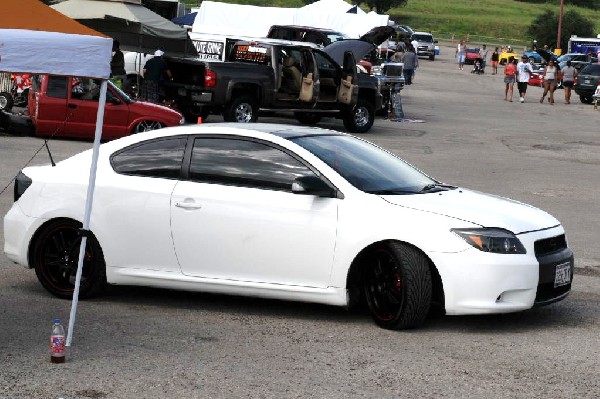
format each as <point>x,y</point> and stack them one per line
<point>286,212</point>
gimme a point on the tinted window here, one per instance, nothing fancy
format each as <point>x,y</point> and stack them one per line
<point>364,165</point>
<point>423,38</point>
<point>157,158</point>
<point>57,87</point>
<point>244,163</point>
<point>593,69</point>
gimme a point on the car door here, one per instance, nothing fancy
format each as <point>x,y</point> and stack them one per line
<point>82,110</point>
<point>47,105</point>
<point>235,218</point>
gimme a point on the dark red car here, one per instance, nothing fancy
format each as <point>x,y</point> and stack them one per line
<point>67,107</point>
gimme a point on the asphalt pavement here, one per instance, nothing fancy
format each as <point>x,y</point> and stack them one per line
<point>148,343</point>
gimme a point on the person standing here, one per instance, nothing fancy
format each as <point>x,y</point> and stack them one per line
<point>411,62</point>
<point>569,73</point>
<point>483,53</point>
<point>510,70</point>
<point>550,75</point>
<point>461,53</point>
<point>524,71</point>
<point>495,58</point>
<point>154,73</point>
<point>117,65</point>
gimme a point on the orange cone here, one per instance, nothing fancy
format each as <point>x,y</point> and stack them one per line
<point>199,120</point>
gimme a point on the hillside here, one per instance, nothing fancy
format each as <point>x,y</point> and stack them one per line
<point>491,21</point>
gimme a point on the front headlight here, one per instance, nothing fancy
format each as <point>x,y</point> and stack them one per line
<point>493,240</point>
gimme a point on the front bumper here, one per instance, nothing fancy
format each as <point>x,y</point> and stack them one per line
<point>476,282</point>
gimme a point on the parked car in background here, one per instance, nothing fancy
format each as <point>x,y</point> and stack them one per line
<point>425,44</point>
<point>505,56</point>
<point>472,55</point>
<point>586,82</point>
<point>533,56</point>
<point>284,212</point>
<point>67,106</point>
<point>320,36</point>
<point>578,60</point>
<point>537,77</point>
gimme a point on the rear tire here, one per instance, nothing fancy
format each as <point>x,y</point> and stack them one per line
<point>360,118</point>
<point>397,285</point>
<point>6,101</point>
<point>432,58</point>
<point>55,257</point>
<point>243,109</point>
<point>586,99</point>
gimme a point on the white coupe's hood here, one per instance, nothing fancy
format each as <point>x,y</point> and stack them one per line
<point>483,209</point>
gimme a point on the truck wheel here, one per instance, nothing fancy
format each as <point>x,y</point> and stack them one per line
<point>6,101</point>
<point>432,57</point>
<point>586,98</point>
<point>307,118</point>
<point>360,118</point>
<point>193,112</point>
<point>242,109</point>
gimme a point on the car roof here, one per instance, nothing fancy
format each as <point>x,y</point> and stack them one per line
<point>280,42</point>
<point>256,130</point>
<point>422,33</point>
<point>310,28</point>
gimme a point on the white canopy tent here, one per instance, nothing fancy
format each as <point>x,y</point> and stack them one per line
<point>235,19</point>
<point>34,38</point>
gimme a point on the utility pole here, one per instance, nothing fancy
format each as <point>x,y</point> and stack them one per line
<point>560,18</point>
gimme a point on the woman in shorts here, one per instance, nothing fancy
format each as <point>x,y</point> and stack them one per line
<point>495,57</point>
<point>510,72</point>
<point>550,76</point>
<point>569,73</point>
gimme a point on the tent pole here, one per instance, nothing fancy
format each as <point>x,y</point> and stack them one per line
<point>88,207</point>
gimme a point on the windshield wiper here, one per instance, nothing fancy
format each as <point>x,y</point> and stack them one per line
<point>433,187</point>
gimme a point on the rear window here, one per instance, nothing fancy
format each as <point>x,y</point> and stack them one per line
<point>592,69</point>
<point>251,53</point>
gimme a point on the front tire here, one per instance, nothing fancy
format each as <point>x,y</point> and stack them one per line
<point>397,285</point>
<point>360,118</point>
<point>242,109</point>
<point>55,257</point>
<point>6,101</point>
<point>147,126</point>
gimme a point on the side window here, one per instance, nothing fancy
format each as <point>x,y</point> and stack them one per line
<point>157,158</point>
<point>85,89</point>
<point>57,87</point>
<point>244,163</point>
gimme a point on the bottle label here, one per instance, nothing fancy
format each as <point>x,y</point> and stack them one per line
<point>57,345</point>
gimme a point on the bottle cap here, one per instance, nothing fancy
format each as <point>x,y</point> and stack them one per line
<point>56,321</point>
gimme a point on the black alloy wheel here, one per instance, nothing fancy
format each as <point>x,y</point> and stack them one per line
<point>397,286</point>
<point>55,257</point>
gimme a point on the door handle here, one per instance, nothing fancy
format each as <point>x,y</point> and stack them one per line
<point>73,106</point>
<point>188,205</point>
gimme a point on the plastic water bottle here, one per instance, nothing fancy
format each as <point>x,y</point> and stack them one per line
<point>57,342</point>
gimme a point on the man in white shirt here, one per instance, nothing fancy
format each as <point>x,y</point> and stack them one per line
<point>524,71</point>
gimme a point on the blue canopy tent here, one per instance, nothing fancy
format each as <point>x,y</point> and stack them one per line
<point>187,19</point>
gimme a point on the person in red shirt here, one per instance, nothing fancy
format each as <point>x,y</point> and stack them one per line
<point>510,71</point>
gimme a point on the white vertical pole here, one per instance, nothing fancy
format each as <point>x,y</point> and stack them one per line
<point>88,206</point>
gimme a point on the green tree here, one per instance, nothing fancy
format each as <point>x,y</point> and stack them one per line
<point>545,28</point>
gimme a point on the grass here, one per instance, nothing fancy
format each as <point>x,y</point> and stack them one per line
<point>490,21</point>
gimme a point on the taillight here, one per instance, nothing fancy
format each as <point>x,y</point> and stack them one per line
<point>22,183</point>
<point>210,78</point>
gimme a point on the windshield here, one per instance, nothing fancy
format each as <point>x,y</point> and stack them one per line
<point>335,37</point>
<point>123,95</point>
<point>366,166</point>
<point>423,38</point>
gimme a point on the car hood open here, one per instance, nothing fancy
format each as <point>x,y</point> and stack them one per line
<point>378,35</point>
<point>360,48</point>
<point>482,209</point>
<point>548,55</point>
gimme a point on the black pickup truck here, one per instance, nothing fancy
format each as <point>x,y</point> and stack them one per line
<point>275,76</point>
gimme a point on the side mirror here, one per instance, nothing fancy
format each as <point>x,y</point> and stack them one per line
<point>312,185</point>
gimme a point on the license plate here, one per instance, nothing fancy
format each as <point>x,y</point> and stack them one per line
<point>562,274</point>
<point>586,81</point>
